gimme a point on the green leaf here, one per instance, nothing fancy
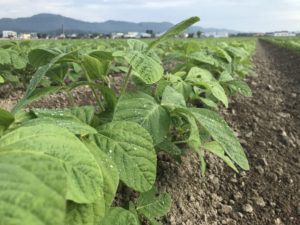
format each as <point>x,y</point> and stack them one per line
<point>90,214</point>
<point>6,118</point>
<point>194,138</point>
<point>63,118</point>
<point>9,77</point>
<point>84,214</point>
<point>84,113</point>
<point>39,75</point>
<point>132,209</point>
<point>39,93</point>
<point>223,134</point>
<point>21,117</point>
<point>218,91</point>
<point>110,97</point>
<point>197,74</point>
<point>223,54</point>
<point>54,113</point>
<point>225,76</point>
<point>94,67</point>
<point>215,148</point>
<point>137,45</point>
<point>131,148</point>
<point>181,86</point>
<point>140,46</point>
<point>32,189</point>
<point>204,58</point>
<point>4,57</point>
<point>119,216</point>
<point>240,86</point>
<point>172,99</point>
<point>102,55</point>
<point>191,46</point>
<point>39,57</point>
<point>58,72</point>
<point>202,164</point>
<point>74,126</point>
<point>143,109</point>
<point>160,87</point>
<point>175,30</point>
<point>209,103</point>
<point>171,149</point>
<point>18,61</point>
<point>203,77</point>
<point>146,68</point>
<point>85,181</point>
<point>154,222</point>
<point>109,171</point>
<point>1,80</point>
<point>152,206</point>
<point>237,52</point>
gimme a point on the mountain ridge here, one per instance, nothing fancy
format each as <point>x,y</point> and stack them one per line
<point>54,23</point>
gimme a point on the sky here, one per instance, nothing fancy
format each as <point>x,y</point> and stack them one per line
<point>240,15</point>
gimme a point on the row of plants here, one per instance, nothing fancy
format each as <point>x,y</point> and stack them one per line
<point>292,43</point>
<point>65,166</point>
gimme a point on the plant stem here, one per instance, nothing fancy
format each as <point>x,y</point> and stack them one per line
<point>97,99</point>
<point>126,81</point>
<point>71,99</point>
<point>180,142</point>
<point>92,88</point>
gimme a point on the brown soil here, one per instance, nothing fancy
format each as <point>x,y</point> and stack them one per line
<point>268,125</point>
<point>9,96</point>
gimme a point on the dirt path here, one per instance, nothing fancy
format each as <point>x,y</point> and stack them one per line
<point>268,125</point>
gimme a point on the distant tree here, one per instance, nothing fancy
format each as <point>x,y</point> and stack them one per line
<point>81,35</point>
<point>41,35</point>
<point>190,35</point>
<point>151,32</point>
<point>199,33</point>
<point>94,35</point>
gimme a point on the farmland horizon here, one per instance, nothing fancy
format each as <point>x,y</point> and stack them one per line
<point>244,16</point>
<point>198,26</point>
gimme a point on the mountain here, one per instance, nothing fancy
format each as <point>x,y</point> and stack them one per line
<point>51,23</point>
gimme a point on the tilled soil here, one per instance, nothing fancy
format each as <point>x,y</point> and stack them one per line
<point>268,125</point>
<point>10,95</point>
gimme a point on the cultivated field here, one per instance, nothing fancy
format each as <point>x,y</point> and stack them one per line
<point>162,131</point>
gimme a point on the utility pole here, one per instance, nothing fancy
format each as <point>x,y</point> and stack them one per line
<point>62,27</point>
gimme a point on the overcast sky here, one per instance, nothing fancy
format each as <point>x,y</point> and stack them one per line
<point>242,15</point>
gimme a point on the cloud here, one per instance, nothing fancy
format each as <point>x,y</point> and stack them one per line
<point>244,15</point>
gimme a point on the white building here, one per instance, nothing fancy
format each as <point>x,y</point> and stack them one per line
<point>284,34</point>
<point>9,34</point>
<point>184,35</point>
<point>132,35</point>
<point>216,34</point>
<point>145,35</point>
<point>62,36</point>
<point>116,35</point>
<point>25,36</point>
